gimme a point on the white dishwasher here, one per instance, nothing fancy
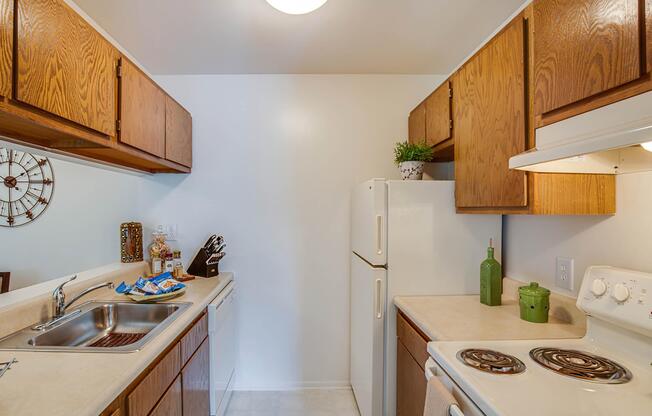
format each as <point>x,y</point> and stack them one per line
<point>222,341</point>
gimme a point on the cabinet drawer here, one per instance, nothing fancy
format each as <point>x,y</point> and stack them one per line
<point>143,398</point>
<point>413,341</point>
<point>170,404</point>
<point>193,339</point>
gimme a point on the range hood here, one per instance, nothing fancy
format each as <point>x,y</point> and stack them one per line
<point>607,140</point>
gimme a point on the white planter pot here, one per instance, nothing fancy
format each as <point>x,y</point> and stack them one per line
<point>411,171</point>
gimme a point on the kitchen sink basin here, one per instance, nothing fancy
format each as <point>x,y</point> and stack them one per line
<point>99,327</point>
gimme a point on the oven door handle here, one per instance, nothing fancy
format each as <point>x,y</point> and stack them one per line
<point>431,371</point>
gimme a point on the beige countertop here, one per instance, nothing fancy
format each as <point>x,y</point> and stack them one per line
<point>67,384</point>
<point>461,318</point>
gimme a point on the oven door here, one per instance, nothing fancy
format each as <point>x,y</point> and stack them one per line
<point>466,406</point>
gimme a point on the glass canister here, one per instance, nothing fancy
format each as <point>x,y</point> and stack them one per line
<point>534,302</point>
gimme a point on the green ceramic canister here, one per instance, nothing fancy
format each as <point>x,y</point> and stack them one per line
<point>534,302</point>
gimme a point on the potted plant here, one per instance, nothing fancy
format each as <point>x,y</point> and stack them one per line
<point>411,158</point>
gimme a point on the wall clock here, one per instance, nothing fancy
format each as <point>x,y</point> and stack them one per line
<point>26,186</point>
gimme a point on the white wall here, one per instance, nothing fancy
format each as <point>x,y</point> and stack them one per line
<point>532,243</point>
<point>275,158</point>
<point>79,230</point>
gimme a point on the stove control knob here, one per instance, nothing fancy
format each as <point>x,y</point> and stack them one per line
<point>620,293</point>
<point>598,288</point>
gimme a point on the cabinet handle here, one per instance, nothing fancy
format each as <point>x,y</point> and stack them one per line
<point>379,234</point>
<point>378,298</point>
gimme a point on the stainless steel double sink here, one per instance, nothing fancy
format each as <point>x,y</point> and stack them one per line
<point>98,326</point>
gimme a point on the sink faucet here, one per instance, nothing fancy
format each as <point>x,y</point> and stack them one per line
<point>59,297</point>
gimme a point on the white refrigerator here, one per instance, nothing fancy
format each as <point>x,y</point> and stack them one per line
<point>406,239</point>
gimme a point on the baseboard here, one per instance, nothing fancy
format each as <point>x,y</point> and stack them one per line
<point>307,385</point>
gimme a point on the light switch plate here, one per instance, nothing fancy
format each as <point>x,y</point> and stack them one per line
<point>565,275</point>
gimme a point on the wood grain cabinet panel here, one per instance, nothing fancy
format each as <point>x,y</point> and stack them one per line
<point>411,384</point>
<point>415,343</point>
<point>583,48</point>
<point>64,66</point>
<point>490,123</point>
<point>6,45</point>
<point>193,338</point>
<point>143,398</point>
<point>438,115</point>
<point>171,403</point>
<point>142,111</point>
<point>194,381</point>
<point>648,37</point>
<point>417,124</point>
<point>178,133</point>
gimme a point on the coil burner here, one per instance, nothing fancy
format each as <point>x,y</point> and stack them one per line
<point>581,365</point>
<point>490,361</point>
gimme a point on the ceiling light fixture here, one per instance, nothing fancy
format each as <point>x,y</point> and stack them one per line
<point>647,146</point>
<point>296,6</point>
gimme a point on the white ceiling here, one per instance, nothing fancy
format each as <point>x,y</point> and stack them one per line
<point>344,36</point>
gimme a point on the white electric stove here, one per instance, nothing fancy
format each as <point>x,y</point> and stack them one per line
<point>606,373</point>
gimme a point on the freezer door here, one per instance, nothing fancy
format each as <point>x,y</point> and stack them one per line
<point>368,304</point>
<point>369,221</point>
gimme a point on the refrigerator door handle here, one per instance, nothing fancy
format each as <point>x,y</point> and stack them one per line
<point>379,234</point>
<point>378,299</point>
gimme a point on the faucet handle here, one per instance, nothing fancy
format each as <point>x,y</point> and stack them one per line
<point>59,288</point>
<point>60,298</point>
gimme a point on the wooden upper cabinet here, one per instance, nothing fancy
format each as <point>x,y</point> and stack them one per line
<point>438,115</point>
<point>583,48</point>
<point>142,111</point>
<point>417,124</point>
<point>490,123</point>
<point>6,45</point>
<point>64,66</point>
<point>648,37</point>
<point>178,133</point>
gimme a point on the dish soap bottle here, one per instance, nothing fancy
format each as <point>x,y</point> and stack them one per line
<point>491,279</point>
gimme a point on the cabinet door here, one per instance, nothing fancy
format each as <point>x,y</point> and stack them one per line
<point>438,115</point>
<point>195,385</point>
<point>417,124</point>
<point>64,66</point>
<point>648,37</point>
<point>490,123</point>
<point>411,384</point>
<point>178,133</point>
<point>582,48</point>
<point>171,402</point>
<point>142,111</point>
<point>6,45</point>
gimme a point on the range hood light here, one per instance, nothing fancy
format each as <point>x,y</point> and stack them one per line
<point>647,146</point>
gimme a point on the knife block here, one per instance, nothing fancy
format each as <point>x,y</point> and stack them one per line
<point>201,267</point>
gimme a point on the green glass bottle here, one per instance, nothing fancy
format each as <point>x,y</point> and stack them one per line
<point>491,279</point>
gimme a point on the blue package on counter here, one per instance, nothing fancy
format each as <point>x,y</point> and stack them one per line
<point>157,285</point>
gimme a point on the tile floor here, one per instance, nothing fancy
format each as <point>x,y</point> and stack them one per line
<point>293,403</point>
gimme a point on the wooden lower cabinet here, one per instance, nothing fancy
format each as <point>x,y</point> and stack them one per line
<point>167,387</point>
<point>171,403</point>
<point>411,357</point>
<point>410,384</point>
<point>195,384</point>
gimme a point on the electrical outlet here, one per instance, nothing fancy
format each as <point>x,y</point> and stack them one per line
<point>565,276</point>
<point>171,231</point>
